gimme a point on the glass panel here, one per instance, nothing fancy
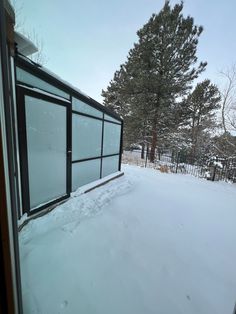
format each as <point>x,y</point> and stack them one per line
<point>111,141</point>
<point>110,165</point>
<point>106,117</point>
<point>80,106</point>
<point>86,137</point>
<point>46,143</point>
<point>34,81</point>
<point>85,172</point>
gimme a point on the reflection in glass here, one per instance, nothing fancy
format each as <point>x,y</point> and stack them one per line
<point>107,117</point>
<point>111,141</point>
<point>86,137</point>
<point>85,172</point>
<point>46,144</point>
<point>80,106</point>
<point>34,81</point>
<point>110,165</point>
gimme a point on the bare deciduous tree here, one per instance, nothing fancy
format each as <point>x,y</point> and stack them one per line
<point>39,56</point>
<point>228,96</point>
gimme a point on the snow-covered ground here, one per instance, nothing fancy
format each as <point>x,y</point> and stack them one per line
<point>148,242</point>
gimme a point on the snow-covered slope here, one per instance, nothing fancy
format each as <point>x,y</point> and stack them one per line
<point>145,243</point>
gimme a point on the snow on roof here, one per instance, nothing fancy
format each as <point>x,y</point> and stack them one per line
<point>64,82</point>
<point>57,77</point>
<point>67,84</point>
<point>40,91</point>
<point>24,45</point>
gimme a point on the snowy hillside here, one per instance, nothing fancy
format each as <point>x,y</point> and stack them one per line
<point>145,243</point>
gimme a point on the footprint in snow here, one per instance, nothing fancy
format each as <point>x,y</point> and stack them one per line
<point>70,228</point>
<point>64,304</point>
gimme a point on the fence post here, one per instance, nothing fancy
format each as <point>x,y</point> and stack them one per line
<point>147,152</point>
<point>177,163</point>
<point>214,174</point>
<point>234,312</point>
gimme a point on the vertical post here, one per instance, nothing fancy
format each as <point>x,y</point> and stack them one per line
<point>214,173</point>
<point>234,312</point>
<point>69,147</point>
<point>147,152</point>
<point>177,163</point>
<point>8,201</point>
<point>142,150</point>
<point>102,146</point>
<point>226,166</point>
<point>172,156</point>
<point>121,144</point>
<point>23,151</point>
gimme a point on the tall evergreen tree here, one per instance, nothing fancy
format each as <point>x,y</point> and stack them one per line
<point>200,113</point>
<point>160,68</point>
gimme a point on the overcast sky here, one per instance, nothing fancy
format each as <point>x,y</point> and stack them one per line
<point>86,41</point>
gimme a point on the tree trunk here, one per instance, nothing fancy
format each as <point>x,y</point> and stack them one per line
<point>143,143</point>
<point>193,151</point>
<point>194,139</point>
<point>142,151</point>
<point>153,144</point>
<point>147,152</point>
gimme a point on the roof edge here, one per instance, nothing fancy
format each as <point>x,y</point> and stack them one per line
<point>47,76</point>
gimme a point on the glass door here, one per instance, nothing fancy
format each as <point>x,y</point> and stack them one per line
<point>44,127</point>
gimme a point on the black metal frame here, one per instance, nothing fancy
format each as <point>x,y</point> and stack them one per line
<point>11,256</point>
<point>94,117</point>
<point>21,93</point>
<point>92,158</point>
<point>102,145</point>
<point>38,71</point>
<point>101,156</point>
<point>121,145</point>
<point>26,89</point>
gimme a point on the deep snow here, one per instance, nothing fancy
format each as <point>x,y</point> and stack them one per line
<point>145,243</point>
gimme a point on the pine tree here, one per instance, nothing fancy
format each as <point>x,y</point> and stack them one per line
<point>159,69</point>
<point>200,112</point>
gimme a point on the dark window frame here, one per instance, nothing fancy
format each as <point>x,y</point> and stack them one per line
<point>101,156</point>
<point>23,148</point>
<point>41,89</point>
<point>27,89</point>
